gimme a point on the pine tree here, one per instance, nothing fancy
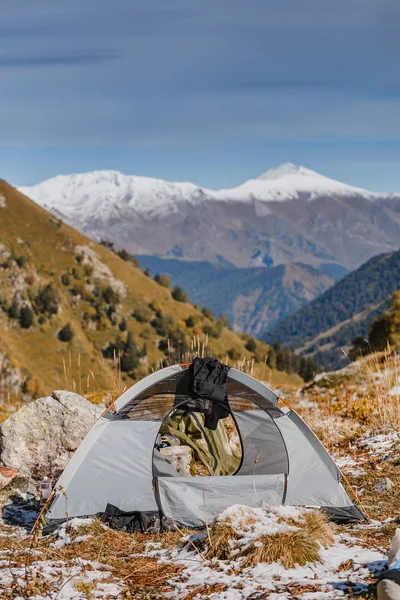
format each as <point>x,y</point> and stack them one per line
<point>130,358</point>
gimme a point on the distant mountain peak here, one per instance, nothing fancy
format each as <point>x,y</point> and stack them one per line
<point>287,169</point>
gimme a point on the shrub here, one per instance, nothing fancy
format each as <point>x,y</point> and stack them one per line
<point>130,358</point>
<point>251,345</point>
<point>13,311</point>
<point>163,280</point>
<point>107,244</point>
<point>213,331</point>
<point>308,368</point>
<point>110,296</point>
<point>223,320</point>
<point>46,301</point>
<point>122,325</point>
<point>125,255</point>
<point>207,312</point>
<point>142,315</point>
<point>66,333</point>
<point>164,325</point>
<point>21,261</point>
<point>4,304</point>
<point>234,354</point>
<point>163,345</point>
<point>180,295</point>
<point>190,321</point>
<point>88,270</point>
<point>114,349</point>
<point>65,279</point>
<point>77,273</point>
<point>26,317</point>
<point>271,358</point>
<point>360,347</point>
<point>381,332</point>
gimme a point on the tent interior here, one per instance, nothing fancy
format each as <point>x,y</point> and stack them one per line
<point>163,450</point>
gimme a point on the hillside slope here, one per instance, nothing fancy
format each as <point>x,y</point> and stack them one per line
<point>254,300</point>
<point>331,321</point>
<point>67,304</point>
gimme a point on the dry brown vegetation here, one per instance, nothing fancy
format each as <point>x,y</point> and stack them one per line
<point>297,544</point>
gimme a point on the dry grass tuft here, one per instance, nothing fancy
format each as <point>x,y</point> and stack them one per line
<point>317,526</point>
<point>296,543</point>
<point>148,574</point>
<point>205,590</point>
<point>222,534</point>
<point>290,548</point>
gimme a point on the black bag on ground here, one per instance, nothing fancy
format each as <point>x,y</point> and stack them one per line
<point>131,521</point>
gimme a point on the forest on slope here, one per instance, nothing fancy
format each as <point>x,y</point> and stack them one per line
<point>329,324</point>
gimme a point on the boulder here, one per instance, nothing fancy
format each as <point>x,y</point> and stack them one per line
<point>40,438</point>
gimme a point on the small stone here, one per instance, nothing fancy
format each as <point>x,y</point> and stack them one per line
<point>6,476</point>
<point>384,485</point>
<point>180,457</point>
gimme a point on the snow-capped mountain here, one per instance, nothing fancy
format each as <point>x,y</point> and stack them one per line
<point>288,214</point>
<point>303,229</point>
<point>289,182</point>
<point>103,194</point>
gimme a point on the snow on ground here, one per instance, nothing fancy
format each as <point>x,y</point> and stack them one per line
<point>345,566</point>
<point>329,579</point>
<point>379,444</point>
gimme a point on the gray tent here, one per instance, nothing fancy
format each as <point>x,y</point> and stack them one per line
<point>281,460</point>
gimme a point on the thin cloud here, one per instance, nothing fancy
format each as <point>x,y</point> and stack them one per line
<point>79,59</point>
<point>233,86</point>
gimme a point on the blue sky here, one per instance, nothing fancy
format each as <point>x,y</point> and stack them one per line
<point>212,91</point>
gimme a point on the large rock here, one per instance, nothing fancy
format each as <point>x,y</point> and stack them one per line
<point>41,437</point>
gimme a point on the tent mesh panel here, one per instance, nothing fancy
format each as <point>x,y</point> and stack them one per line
<point>154,403</point>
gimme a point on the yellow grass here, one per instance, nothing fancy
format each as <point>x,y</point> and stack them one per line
<point>295,546</point>
<point>291,549</point>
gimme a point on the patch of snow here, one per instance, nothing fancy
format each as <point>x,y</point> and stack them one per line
<point>380,443</point>
<point>350,466</point>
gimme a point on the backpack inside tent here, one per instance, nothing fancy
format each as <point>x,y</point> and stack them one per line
<point>187,442</point>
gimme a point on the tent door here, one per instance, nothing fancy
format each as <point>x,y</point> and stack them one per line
<point>194,501</point>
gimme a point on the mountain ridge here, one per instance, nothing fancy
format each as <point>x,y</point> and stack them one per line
<point>253,299</point>
<point>343,226</point>
<point>327,326</point>
<point>278,184</point>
